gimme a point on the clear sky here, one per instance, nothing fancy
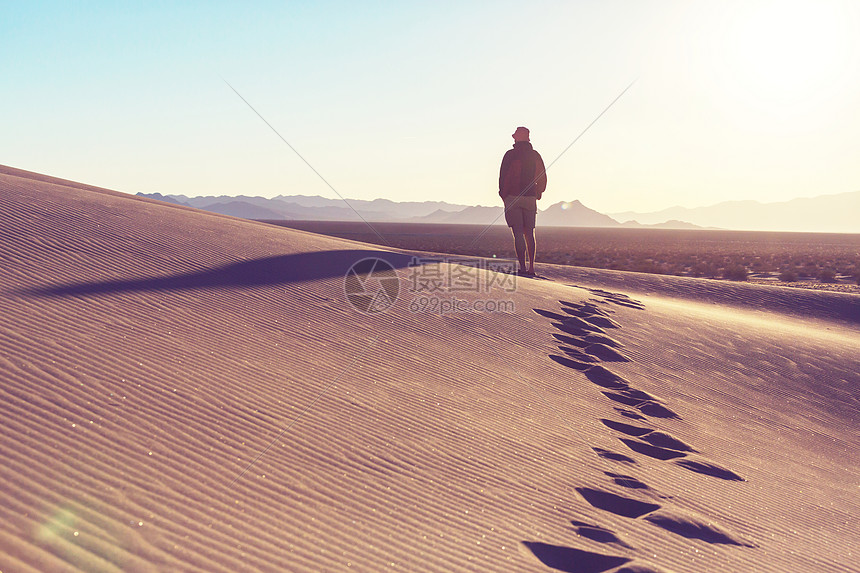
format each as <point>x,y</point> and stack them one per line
<point>752,99</point>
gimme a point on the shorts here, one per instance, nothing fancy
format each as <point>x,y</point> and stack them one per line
<point>520,212</point>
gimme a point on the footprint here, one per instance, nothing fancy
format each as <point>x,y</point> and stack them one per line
<point>610,295</point>
<point>628,429</point>
<point>585,307</point>
<point>603,321</point>
<point>606,353</point>
<point>615,457</point>
<point>637,306</point>
<point>598,291</point>
<point>576,309</point>
<point>602,339</point>
<point>685,524</point>
<point>618,298</point>
<point>623,298</point>
<point>569,339</point>
<point>571,329</point>
<point>653,437</point>
<point>631,414</point>
<point>569,362</point>
<point>584,341</point>
<point>582,324</point>
<point>656,410</point>
<point>652,451</point>
<point>551,314</point>
<point>694,527</point>
<point>603,377</point>
<point>627,481</point>
<point>623,399</point>
<point>647,406</point>
<point>709,469</point>
<point>592,314</point>
<point>665,440</point>
<point>578,354</point>
<point>617,504</point>
<point>573,560</point>
<point>597,533</point>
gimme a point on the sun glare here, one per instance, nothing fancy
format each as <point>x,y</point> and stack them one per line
<point>788,54</point>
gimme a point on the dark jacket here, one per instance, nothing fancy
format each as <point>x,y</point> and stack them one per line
<point>522,172</point>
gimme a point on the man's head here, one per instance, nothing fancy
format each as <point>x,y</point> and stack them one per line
<point>521,134</point>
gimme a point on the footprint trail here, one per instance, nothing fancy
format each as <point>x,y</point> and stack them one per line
<point>583,345</point>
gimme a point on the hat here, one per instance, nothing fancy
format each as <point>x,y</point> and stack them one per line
<point>521,134</point>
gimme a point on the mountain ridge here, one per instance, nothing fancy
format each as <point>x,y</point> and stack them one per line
<point>823,213</point>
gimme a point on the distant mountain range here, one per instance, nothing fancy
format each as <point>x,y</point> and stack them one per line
<point>826,213</point>
<point>313,208</point>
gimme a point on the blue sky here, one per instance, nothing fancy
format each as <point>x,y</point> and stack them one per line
<point>417,101</point>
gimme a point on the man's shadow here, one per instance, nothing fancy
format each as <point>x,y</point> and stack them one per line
<point>283,269</point>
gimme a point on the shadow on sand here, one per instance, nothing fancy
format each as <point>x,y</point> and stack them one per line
<point>276,270</point>
<point>573,560</point>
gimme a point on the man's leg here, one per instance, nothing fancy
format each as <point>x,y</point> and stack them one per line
<point>515,218</point>
<point>529,241</point>
<point>529,217</point>
<point>520,246</point>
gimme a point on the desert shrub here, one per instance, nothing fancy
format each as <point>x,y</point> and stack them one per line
<point>735,273</point>
<point>827,276</point>
<point>788,275</point>
<point>703,270</point>
<point>645,266</point>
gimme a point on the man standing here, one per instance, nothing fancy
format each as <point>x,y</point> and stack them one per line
<point>522,181</point>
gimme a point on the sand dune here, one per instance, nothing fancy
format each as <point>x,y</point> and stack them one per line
<point>188,391</point>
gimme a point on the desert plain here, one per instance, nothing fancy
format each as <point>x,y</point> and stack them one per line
<point>185,391</point>
<point>828,261</point>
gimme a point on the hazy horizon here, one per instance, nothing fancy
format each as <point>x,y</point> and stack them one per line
<point>544,204</point>
<point>732,101</point>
